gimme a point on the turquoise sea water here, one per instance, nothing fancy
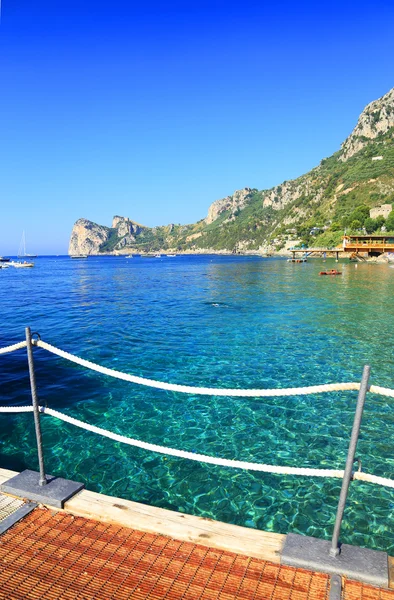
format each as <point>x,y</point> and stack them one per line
<point>208,321</point>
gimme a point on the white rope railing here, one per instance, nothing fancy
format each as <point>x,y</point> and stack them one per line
<point>12,348</point>
<point>222,462</point>
<point>203,458</point>
<point>16,409</point>
<point>188,389</point>
<point>373,479</point>
<point>382,391</point>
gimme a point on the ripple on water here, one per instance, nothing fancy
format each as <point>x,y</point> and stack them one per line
<point>218,322</point>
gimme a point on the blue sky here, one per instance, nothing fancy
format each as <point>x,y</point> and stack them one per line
<point>153,110</point>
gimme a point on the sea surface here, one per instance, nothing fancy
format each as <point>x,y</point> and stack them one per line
<point>244,322</point>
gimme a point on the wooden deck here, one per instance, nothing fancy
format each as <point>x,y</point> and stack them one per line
<point>106,548</point>
<point>59,556</point>
<point>371,245</point>
<point>55,556</point>
<point>207,532</point>
<point>369,248</point>
<point>214,534</point>
<point>357,244</point>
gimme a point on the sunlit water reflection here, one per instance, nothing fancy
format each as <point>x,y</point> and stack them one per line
<point>209,321</point>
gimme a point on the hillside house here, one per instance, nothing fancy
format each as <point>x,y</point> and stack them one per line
<point>381,211</point>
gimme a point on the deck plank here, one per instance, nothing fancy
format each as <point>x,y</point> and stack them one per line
<point>56,556</point>
<point>188,528</point>
<point>198,530</point>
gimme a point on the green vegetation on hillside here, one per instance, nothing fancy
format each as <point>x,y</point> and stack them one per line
<point>314,209</point>
<point>335,196</point>
<point>110,244</point>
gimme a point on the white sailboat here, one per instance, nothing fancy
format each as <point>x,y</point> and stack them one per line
<point>22,249</point>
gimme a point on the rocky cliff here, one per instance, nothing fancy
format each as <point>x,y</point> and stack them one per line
<point>87,237</point>
<point>332,196</point>
<point>231,203</point>
<point>376,119</point>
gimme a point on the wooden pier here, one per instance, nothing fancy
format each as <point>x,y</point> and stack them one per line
<point>100,547</point>
<point>316,252</point>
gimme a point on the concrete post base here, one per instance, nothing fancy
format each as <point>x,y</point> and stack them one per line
<point>356,563</point>
<point>55,493</point>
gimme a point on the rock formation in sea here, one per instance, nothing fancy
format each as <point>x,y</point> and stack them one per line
<point>87,237</point>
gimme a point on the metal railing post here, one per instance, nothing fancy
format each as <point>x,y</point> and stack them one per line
<point>335,550</point>
<point>36,409</point>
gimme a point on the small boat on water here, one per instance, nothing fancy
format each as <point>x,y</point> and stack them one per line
<point>170,255</point>
<point>79,255</point>
<point>4,266</point>
<point>129,256</point>
<point>331,272</point>
<point>19,264</point>
<point>157,255</point>
<point>4,260</point>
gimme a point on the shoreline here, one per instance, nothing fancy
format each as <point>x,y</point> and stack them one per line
<point>382,259</point>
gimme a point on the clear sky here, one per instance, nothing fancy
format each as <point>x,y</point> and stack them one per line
<point>154,109</point>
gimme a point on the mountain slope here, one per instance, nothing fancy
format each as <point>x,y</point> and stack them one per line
<point>335,195</point>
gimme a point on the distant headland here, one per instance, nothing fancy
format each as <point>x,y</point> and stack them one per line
<point>313,209</point>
